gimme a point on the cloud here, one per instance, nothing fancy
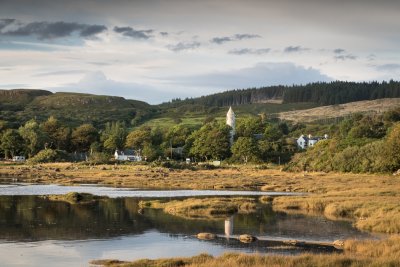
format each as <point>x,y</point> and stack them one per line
<point>295,49</point>
<point>262,74</point>
<point>345,57</point>
<point>236,37</point>
<point>53,30</point>
<point>339,51</point>
<point>164,33</point>
<point>5,22</point>
<point>249,51</point>
<point>98,83</point>
<point>61,72</point>
<point>388,67</point>
<point>135,34</point>
<point>183,46</point>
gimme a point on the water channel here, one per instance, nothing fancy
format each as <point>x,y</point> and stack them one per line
<point>35,231</point>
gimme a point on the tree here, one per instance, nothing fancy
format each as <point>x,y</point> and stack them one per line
<point>114,136</point>
<point>248,127</point>
<point>57,134</point>
<point>33,136</point>
<point>393,148</point>
<point>211,142</point>
<point>245,148</point>
<point>272,133</point>
<point>151,152</point>
<point>11,143</point>
<point>84,136</point>
<point>138,138</point>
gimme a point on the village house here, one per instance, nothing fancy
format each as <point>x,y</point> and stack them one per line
<point>127,155</point>
<point>18,158</point>
<point>309,141</point>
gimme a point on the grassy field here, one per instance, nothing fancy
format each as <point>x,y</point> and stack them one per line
<point>342,110</point>
<point>356,253</point>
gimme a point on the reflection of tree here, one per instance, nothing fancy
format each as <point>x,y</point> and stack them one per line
<point>35,218</point>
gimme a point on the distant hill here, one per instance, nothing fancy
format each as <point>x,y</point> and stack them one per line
<point>21,105</point>
<point>338,111</point>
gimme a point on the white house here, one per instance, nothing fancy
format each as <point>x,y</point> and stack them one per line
<point>127,155</point>
<point>18,158</point>
<point>309,141</point>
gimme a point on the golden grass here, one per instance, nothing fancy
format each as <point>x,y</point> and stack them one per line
<point>341,110</point>
<point>356,253</point>
<point>205,208</point>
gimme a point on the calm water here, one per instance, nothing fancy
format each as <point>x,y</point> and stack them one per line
<point>38,232</point>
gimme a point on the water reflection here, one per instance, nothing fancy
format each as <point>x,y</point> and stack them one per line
<point>228,227</point>
<point>32,218</point>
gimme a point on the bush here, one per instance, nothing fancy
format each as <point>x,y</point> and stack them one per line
<point>49,155</point>
<point>100,158</point>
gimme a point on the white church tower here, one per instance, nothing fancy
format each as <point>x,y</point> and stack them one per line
<point>231,121</point>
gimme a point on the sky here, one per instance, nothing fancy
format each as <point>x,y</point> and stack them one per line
<point>157,50</point>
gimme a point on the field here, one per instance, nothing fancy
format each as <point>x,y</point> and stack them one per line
<point>342,110</point>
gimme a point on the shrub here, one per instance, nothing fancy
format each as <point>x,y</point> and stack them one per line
<point>49,155</point>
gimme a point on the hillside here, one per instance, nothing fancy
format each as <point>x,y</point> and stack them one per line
<point>18,106</point>
<point>336,111</point>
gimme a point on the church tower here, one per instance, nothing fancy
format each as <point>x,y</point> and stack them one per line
<point>231,121</point>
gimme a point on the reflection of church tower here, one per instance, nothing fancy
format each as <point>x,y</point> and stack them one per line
<point>231,121</point>
<point>229,226</point>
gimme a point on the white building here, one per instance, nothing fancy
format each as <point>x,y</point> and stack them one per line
<point>18,159</point>
<point>127,155</point>
<point>231,121</point>
<point>309,141</point>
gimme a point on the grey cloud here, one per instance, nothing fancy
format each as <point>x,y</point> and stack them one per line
<point>345,57</point>
<point>52,30</point>
<point>388,67</point>
<point>294,49</point>
<point>136,34</point>
<point>5,22</point>
<point>221,40</point>
<point>236,37</point>
<point>246,36</point>
<point>339,51</point>
<point>262,74</point>
<point>164,33</point>
<point>249,51</point>
<point>183,46</point>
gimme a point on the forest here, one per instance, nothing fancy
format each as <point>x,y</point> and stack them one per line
<point>321,93</point>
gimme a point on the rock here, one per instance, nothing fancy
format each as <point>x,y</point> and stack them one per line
<point>397,173</point>
<point>103,168</point>
<point>338,243</point>
<point>57,169</point>
<point>247,238</point>
<point>206,236</point>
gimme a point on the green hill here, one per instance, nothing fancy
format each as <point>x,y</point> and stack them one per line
<point>18,106</point>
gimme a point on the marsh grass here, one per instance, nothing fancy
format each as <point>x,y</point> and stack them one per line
<point>371,201</point>
<point>356,253</point>
<point>204,208</point>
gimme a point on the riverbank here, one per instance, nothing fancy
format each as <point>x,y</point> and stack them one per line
<point>371,201</point>
<point>356,253</point>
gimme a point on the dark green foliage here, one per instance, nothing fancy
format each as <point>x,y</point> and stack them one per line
<point>114,136</point>
<point>11,143</point>
<point>211,142</point>
<point>83,136</point>
<point>245,149</point>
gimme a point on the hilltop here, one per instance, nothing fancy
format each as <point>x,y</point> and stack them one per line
<point>20,105</point>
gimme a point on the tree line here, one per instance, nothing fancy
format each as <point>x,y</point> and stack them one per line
<point>322,93</point>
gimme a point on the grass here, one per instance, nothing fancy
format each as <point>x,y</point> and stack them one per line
<point>356,253</point>
<point>371,201</point>
<point>73,198</point>
<point>342,110</point>
<point>207,208</point>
